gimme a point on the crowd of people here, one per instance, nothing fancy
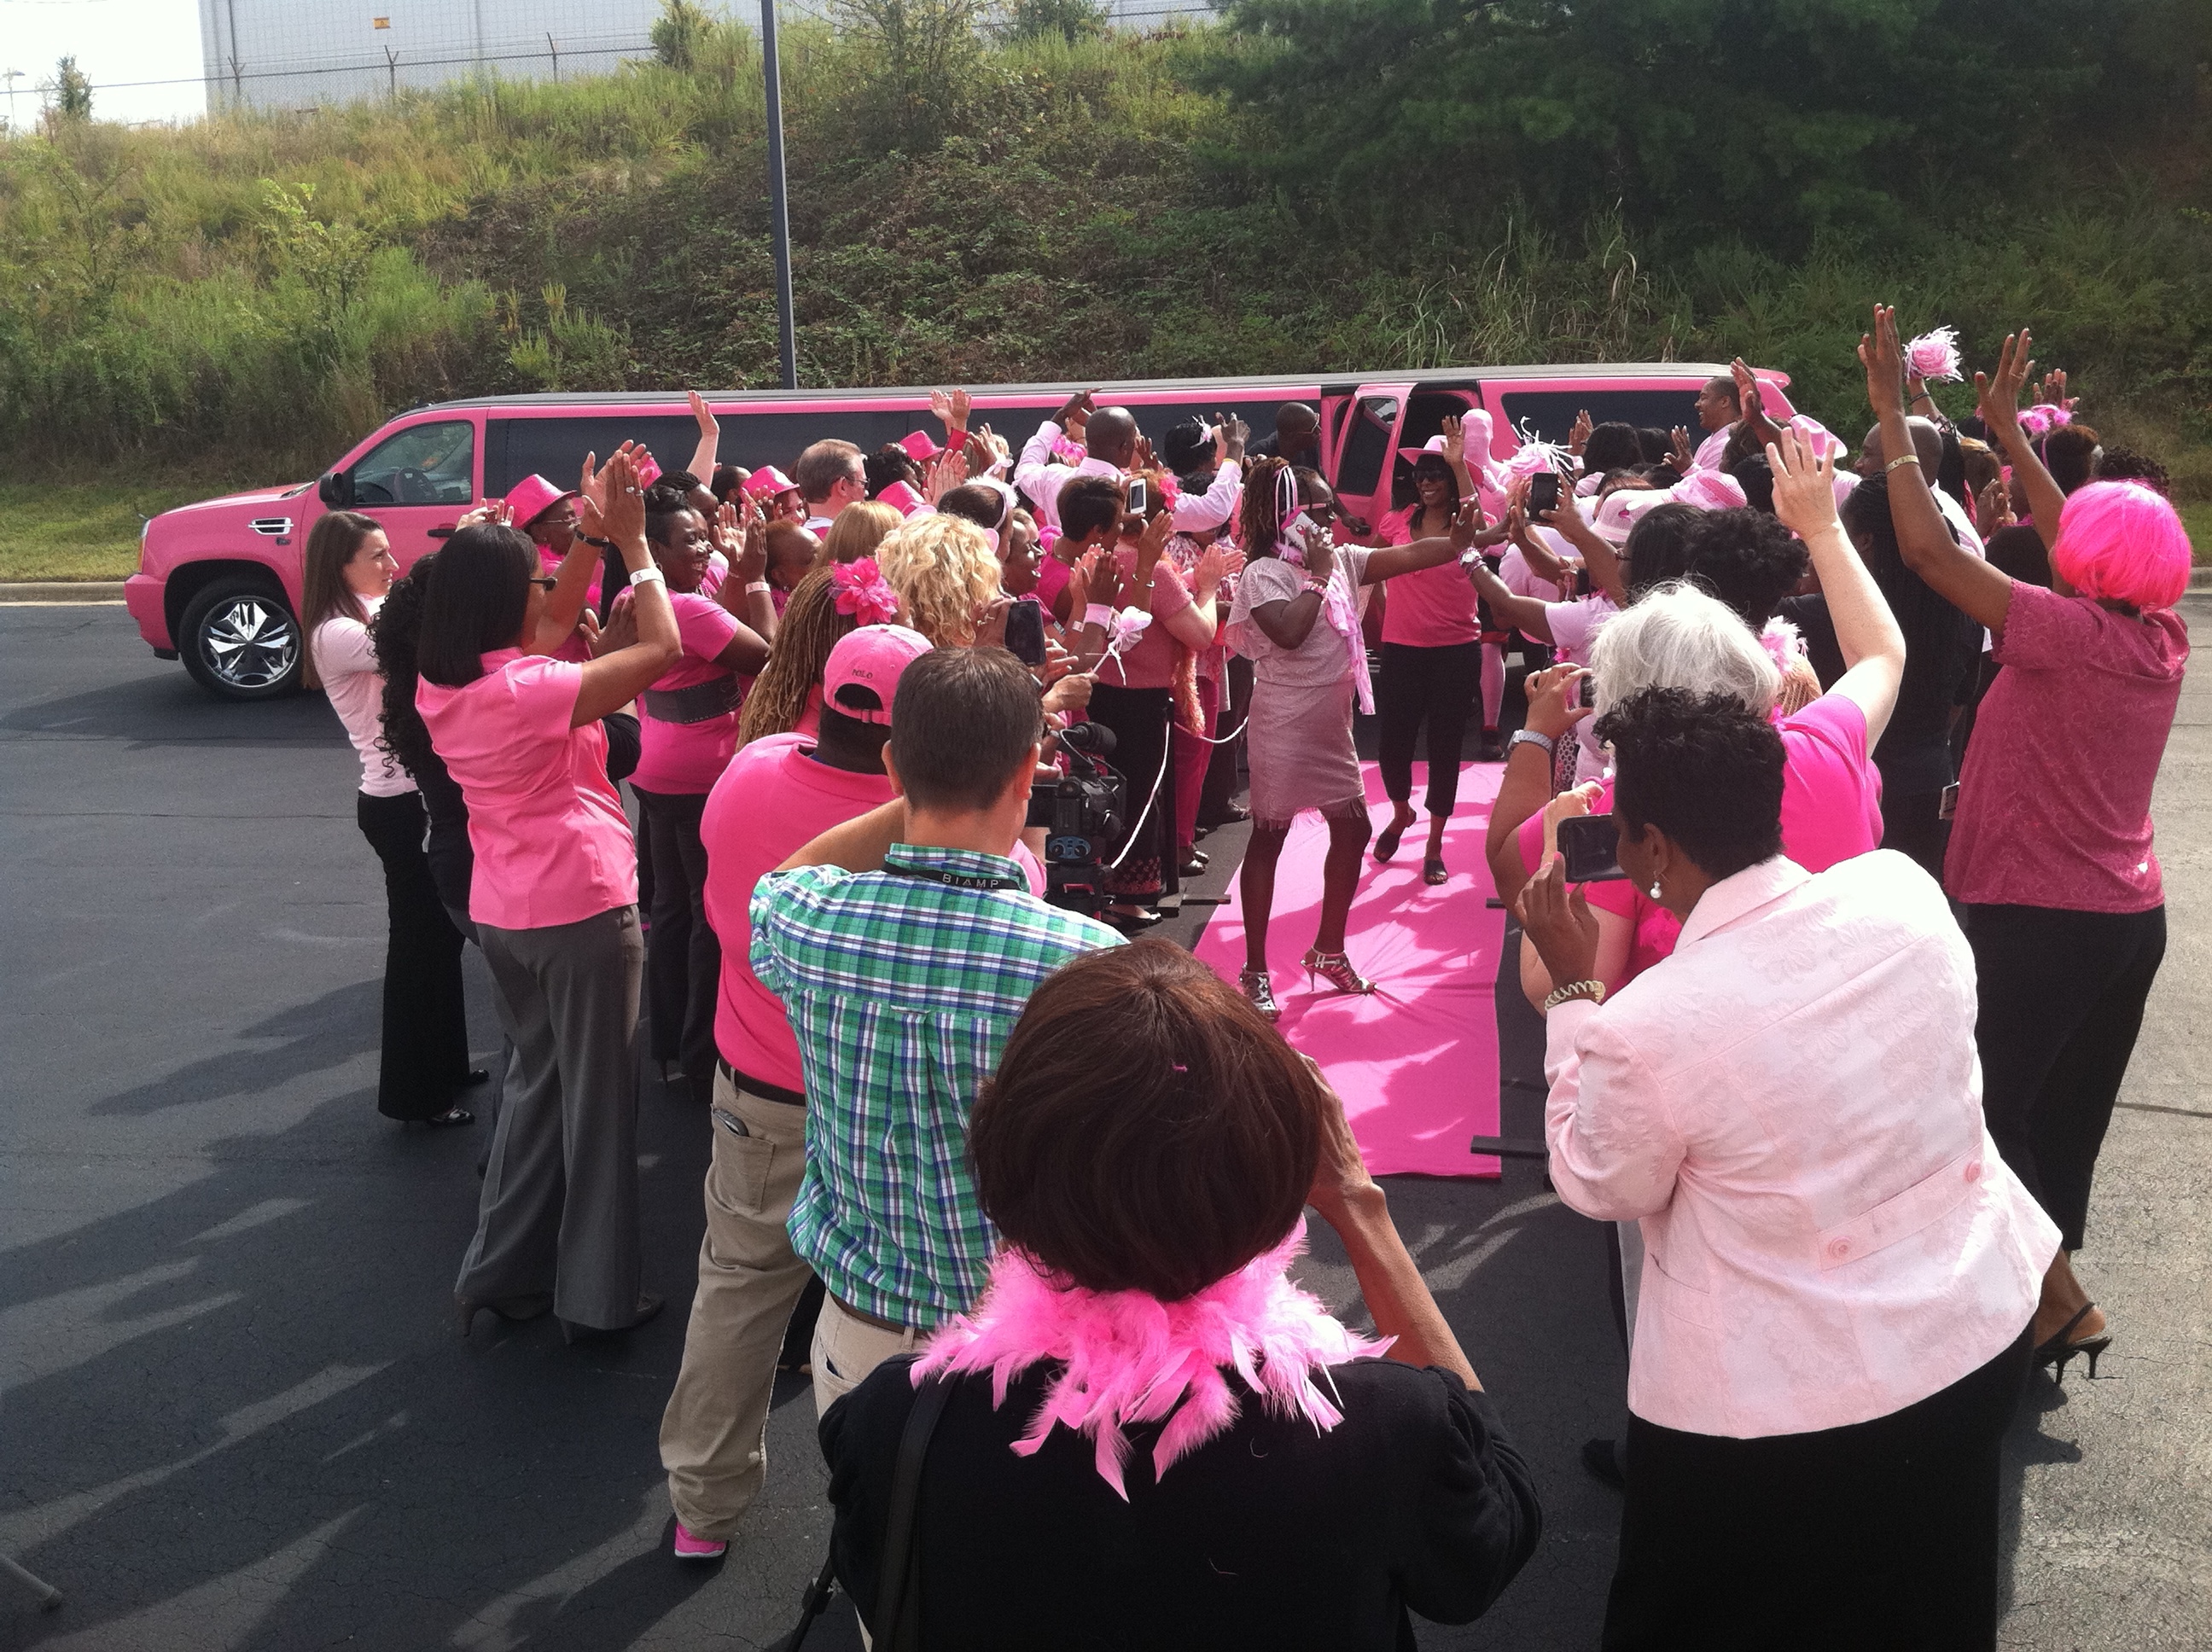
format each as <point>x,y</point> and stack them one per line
<point>1836,1015</point>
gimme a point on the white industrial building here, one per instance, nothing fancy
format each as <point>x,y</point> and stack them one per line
<point>293,54</point>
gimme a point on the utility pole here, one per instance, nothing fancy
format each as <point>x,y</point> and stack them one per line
<point>392,69</point>
<point>554,47</point>
<point>11,76</point>
<point>237,69</point>
<point>779,217</point>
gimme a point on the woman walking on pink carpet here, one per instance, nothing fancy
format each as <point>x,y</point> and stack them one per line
<point>1297,617</point>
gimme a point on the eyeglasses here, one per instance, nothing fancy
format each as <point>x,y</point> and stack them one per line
<point>546,583</point>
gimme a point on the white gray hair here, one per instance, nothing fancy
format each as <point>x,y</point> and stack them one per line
<point>1677,636</point>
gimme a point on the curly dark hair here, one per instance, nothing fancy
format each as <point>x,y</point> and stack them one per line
<point>1614,446</point>
<point>396,630</point>
<point>889,464</point>
<point>1749,560</point>
<point>1704,769</point>
<point>2120,464</point>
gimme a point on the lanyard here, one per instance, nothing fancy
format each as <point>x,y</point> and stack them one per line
<point>956,879</point>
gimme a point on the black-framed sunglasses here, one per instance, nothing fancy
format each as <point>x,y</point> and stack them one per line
<point>544,582</point>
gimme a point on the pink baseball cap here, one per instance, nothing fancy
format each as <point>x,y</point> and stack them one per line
<point>532,497</point>
<point>919,447</point>
<point>767,482</point>
<point>871,658</point>
<point>1711,490</point>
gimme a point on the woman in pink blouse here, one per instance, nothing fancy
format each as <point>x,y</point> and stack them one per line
<point>1839,1268</point>
<point>424,1050</point>
<point>2051,850</point>
<point>688,727</point>
<point>554,897</point>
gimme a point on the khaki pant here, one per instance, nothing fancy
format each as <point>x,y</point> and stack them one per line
<point>847,1349</point>
<point>714,1435</point>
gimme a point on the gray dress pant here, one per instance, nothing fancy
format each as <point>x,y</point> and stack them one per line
<point>559,1211</point>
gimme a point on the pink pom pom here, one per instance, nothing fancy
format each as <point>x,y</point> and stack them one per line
<point>1934,355</point>
<point>2040,419</point>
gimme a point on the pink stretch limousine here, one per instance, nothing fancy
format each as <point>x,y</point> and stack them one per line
<point>218,582</point>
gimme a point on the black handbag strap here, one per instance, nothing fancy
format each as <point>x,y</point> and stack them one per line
<point>898,1593</point>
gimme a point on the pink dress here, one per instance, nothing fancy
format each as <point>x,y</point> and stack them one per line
<point>1298,739</point>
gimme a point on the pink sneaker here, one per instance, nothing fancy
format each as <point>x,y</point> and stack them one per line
<point>689,1547</point>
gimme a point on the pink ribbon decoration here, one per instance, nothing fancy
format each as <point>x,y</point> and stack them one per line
<point>863,593</point>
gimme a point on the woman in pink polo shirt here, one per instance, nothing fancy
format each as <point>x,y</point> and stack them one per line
<point>687,724</point>
<point>2050,852</point>
<point>424,1050</point>
<point>1432,660</point>
<point>554,897</point>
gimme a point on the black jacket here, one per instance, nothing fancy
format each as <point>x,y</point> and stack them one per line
<point>1272,1535</point>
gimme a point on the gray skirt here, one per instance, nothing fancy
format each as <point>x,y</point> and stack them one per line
<point>1299,744</point>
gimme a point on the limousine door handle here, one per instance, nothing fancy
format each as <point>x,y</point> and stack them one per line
<point>444,530</point>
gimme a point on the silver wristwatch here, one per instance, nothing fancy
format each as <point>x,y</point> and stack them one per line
<point>1529,737</point>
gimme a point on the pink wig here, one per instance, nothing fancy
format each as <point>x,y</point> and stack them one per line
<point>2121,542</point>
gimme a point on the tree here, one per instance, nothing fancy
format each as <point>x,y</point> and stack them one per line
<point>1743,116</point>
<point>677,33</point>
<point>927,59</point>
<point>72,91</point>
<point>1068,20</point>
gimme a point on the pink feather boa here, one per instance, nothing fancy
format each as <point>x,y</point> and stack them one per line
<point>1128,1357</point>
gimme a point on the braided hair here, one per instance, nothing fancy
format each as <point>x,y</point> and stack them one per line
<point>1261,523</point>
<point>809,629</point>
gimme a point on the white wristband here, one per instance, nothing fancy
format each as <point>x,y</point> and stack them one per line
<point>1098,614</point>
<point>758,587</point>
<point>646,576</point>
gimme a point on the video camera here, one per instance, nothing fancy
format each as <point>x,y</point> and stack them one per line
<point>1081,813</point>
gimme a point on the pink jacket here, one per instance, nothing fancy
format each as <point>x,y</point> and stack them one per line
<point>1792,1105</point>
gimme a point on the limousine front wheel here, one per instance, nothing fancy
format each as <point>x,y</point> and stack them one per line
<point>240,641</point>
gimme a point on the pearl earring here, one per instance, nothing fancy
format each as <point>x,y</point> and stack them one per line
<point>1654,888</point>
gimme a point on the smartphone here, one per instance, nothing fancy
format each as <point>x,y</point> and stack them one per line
<point>1140,496</point>
<point>1025,633</point>
<point>1947,805</point>
<point>1588,690</point>
<point>1590,845</point>
<point>1543,494</point>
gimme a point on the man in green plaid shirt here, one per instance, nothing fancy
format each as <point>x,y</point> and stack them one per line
<point>904,944</point>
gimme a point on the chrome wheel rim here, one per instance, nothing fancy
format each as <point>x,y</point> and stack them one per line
<point>249,642</point>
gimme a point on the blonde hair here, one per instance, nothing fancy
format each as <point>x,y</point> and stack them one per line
<point>945,571</point>
<point>859,529</point>
<point>809,629</point>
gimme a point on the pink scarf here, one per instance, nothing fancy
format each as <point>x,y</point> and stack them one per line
<point>1128,1357</point>
<point>1341,610</point>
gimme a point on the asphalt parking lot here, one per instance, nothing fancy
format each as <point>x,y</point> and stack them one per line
<point>235,1411</point>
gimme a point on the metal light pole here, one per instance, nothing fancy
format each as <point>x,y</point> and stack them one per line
<point>779,217</point>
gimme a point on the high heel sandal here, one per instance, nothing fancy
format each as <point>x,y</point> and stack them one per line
<point>2056,1351</point>
<point>1336,969</point>
<point>1433,872</point>
<point>1256,986</point>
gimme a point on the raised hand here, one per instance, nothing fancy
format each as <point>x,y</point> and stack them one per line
<point>949,470</point>
<point>952,407</point>
<point>1681,452</point>
<point>1075,412</point>
<point>2052,393</point>
<point>751,563</point>
<point>1883,357</point>
<point>1997,396</point>
<point>1993,508</point>
<point>1206,575</point>
<point>1580,435</point>
<point>1151,544</point>
<point>1467,525</point>
<point>621,630</point>
<point>1554,704</point>
<point>492,511</point>
<point>1804,482</point>
<point>708,429</point>
<point>1749,397</point>
<point>1455,440</point>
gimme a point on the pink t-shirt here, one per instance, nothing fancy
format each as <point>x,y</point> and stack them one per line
<point>689,757</point>
<point>2054,804</point>
<point>552,845</point>
<point>1831,811</point>
<point>1575,625</point>
<point>1149,662</point>
<point>768,803</point>
<point>1052,580</point>
<point>1432,607</point>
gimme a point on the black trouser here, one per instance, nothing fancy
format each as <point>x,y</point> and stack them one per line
<point>1436,685</point>
<point>683,962</point>
<point>2061,1002</point>
<point>1221,777</point>
<point>1911,824</point>
<point>1140,719</point>
<point>426,1028</point>
<point>1883,1533</point>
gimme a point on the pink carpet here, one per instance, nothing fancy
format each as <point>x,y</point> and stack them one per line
<point>1416,1062</point>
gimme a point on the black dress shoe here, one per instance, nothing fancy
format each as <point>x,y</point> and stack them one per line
<point>648,1306</point>
<point>450,1117</point>
<point>1193,862</point>
<point>1602,1459</point>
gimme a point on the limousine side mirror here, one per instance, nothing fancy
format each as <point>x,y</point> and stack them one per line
<point>336,489</point>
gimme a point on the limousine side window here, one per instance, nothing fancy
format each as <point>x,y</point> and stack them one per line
<point>423,464</point>
<point>1549,414</point>
<point>1366,444</point>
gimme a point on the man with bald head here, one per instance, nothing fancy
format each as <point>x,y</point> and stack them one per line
<point>1297,438</point>
<point>1109,438</point>
<point>1927,447</point>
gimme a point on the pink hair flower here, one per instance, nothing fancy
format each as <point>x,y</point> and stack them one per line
<point>1170,491</point>
<point>863,593</point>
<point>1934,355</point>
<point>2040,419</point>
